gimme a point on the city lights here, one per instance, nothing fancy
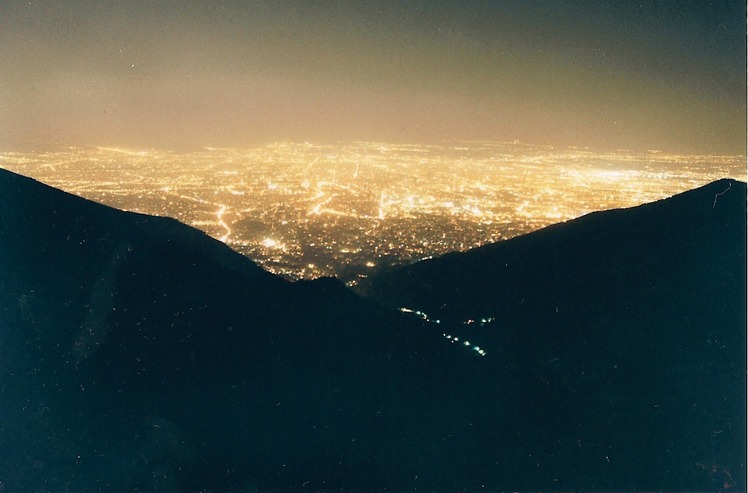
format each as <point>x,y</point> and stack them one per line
<point>305,210</point>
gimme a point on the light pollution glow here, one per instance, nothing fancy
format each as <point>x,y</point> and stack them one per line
<point>184,74</point>
<point>304,210</point>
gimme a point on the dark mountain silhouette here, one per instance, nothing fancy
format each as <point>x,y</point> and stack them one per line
<point>137,354</point>
<point>625,333</point>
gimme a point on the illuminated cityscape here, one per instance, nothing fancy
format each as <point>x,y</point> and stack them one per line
<point>304,211</point>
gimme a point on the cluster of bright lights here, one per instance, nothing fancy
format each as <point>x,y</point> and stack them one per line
<point>449,337</point>
<point>481,321</point>
<point>273,244</point>
<point>421,314</point>
<point>354,206</point>
<point>455,340</point>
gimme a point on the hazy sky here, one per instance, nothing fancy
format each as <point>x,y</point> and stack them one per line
<point>610,74</point>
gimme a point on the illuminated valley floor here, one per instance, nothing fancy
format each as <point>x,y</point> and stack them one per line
<point>305,211</point>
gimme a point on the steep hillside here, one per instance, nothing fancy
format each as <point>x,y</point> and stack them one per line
<point>626,329</point>
<point>137,354</point>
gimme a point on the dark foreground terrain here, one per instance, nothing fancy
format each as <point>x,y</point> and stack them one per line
<point>624,332</point>
<point>137,354</point>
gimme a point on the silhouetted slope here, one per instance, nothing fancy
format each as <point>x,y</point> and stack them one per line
<point>137,354</point>
<point>682,236</point>
<point>624,332</point>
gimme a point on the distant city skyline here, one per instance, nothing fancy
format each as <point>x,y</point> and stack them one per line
<point>612,74</point>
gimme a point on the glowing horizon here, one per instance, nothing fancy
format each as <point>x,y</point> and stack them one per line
<point>184,75</point>
<point>305,210</point>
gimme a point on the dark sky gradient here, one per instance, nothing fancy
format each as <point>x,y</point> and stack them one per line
<point>177,74</point>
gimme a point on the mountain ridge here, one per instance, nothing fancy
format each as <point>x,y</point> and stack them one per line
<point>632,308</point>
<point>570,234</point>
<point>136,354</point>
<point>141,355</point>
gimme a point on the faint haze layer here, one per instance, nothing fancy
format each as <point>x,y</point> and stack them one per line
<point>173,74</point>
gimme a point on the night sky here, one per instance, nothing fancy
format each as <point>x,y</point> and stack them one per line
<point>608,74</point>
